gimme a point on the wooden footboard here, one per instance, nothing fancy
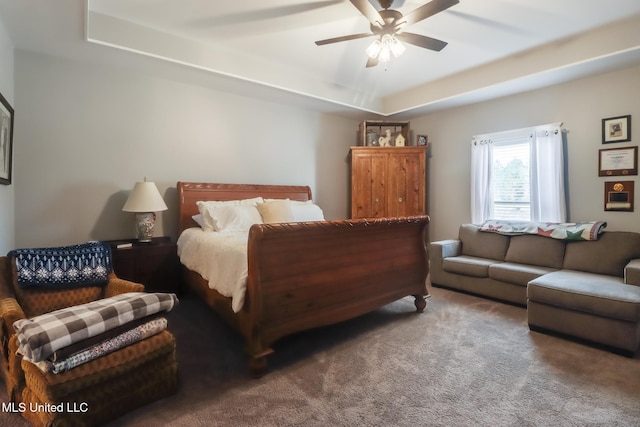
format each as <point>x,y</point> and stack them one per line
<point>307,275</point>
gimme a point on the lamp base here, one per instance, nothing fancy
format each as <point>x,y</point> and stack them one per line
<point>145,221</point>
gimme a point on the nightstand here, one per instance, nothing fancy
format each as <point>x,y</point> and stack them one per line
<point>155,264</point>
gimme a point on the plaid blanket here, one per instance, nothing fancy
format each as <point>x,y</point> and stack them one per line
<point>42,335</point>
<point>124,339</point>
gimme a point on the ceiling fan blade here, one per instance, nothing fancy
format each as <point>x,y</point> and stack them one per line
<point>370,12</point>
<point>425,11</point>
<point>372,62</point>
<point>422,41</point>
<point>344,38</point>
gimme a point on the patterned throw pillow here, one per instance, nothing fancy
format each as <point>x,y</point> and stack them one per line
<point>88,264</point>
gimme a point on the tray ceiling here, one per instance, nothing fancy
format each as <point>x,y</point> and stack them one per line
<point>496,47</point>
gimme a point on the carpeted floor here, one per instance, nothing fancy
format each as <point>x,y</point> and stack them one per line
<point>466,361</point>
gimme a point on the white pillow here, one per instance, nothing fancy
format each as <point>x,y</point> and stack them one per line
<point>275,211</point>
<point>199,220</point>
<point>307,212</point>
<point>234,218</point>
<point>203,207</point>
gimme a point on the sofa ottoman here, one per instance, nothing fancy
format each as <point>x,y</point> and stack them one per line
<point>104,388</point>
<point>594,307</point>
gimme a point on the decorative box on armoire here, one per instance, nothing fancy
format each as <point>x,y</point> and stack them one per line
<point>388,181</point>
<point>375,133</point>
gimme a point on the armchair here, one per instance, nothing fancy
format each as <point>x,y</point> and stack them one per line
<point>106,387</point>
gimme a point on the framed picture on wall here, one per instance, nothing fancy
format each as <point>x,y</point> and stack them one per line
<point>618,161</point>
<point>6,140</point>
<point>616,129</point>
<point>422,140</point>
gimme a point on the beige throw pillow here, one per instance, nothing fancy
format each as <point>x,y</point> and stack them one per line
<point>276,211</point>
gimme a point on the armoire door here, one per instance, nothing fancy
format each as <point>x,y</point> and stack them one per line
<point>406,183</point>
<point>368,184</point>
<point>387,181</point>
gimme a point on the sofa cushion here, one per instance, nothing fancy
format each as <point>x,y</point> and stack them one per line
<point>518,274</point>
<point>607,255</point>
<point>480,244</point>
<point>587,292</point>
<point>536,250</point>
<point>467,265</point>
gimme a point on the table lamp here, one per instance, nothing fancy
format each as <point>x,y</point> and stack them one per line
<point>145,201</point>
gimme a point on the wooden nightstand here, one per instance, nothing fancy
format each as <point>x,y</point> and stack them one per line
<point>155,265</point>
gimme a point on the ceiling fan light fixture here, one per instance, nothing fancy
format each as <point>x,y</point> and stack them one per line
<point>385,54</point>
<point>384,47</point>
<point>374,49</point>
<point>397,48</point>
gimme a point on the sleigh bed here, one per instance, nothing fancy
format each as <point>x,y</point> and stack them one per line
<point>303,275</point>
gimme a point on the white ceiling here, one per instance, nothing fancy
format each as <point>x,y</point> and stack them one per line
<point>496,47</point>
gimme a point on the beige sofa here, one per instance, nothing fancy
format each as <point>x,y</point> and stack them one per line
<point>585,289</point>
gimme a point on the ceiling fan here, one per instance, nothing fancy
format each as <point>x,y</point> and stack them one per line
<point>388,26</point>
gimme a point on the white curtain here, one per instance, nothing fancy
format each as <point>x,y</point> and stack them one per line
<point>548,201</point>
<point>481,190</point>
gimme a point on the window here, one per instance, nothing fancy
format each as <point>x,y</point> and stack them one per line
<point>511,184</point>
<point>518,175</point>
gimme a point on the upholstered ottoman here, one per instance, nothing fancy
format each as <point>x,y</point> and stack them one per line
<point>104,388</point>
<point>594,307</point>
<point>89,363</point>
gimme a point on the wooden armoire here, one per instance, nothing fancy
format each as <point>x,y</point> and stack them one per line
<point>388,181</point>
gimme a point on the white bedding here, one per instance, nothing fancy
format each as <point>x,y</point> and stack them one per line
<point>220,258</point>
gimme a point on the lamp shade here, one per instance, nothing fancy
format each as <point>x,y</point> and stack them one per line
<point>144,197</point>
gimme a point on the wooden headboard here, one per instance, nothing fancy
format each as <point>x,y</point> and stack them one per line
<point>191,192</point>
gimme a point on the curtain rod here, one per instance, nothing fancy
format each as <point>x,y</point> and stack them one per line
<point>504,132</point>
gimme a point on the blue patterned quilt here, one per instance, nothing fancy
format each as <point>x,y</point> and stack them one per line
<point>88,264</point>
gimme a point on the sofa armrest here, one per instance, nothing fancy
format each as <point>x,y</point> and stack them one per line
<point>632,272</point>
<point>438,251</point>
<point>446,248</point>
<point>117,286</point>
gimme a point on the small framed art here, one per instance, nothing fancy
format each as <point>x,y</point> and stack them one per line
<point>616,129</point>
<point>6,140</point>
<point>422,140</point>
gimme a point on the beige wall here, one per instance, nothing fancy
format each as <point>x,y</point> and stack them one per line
<point>86,133</point>
<point>580,104</point>
<point>7,235</point>
<point>89,132</point>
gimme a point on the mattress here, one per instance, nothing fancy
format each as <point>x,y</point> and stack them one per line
<point>220,258</point>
